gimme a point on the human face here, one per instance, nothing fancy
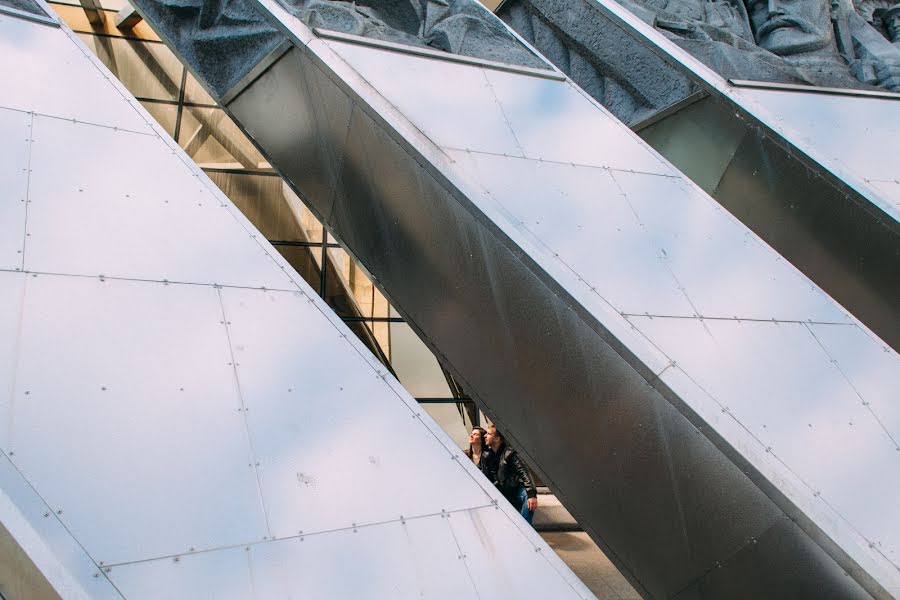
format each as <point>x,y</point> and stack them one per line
<point>490,437</point>
<point>786,27</point>
<point>475,437</point>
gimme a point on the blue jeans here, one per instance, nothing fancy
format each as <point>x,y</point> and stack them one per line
<point>522,497</point>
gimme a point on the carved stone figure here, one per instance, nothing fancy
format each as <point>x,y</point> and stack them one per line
<point>891,20</point>
<point>456,26</point>
<point>819,42</point>
<point>786,27</point>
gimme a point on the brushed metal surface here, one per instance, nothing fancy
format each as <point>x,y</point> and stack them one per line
<point>671,486</point>
<point>169,422</point>
<point>136,223</point>
<point>801,166</point>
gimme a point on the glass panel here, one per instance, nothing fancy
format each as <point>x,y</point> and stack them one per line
<point>147,69</point>
<point>213,140</point>
<point>452,420</point>
<point>261,199</point>
<point>165,115</point>
<point>415,365</point>
<point>75,17</point>
<point>311,225</point>
<point>194,92</point>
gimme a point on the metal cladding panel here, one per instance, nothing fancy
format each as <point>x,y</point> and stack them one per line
<point>869,369</point>
<point>16,128</point>
<point>120,375</point>
<point>516,115</point>
<point>652,462</point>
<point>65,564</point>
<point>414,558</point>
<point>473,100</point>
<point>725,270</point>
<point>44,73</point>
<point>631,443</point>
<point>640,282</point>
<point>162,424</point>
<point>134,222</point>
<point>805,412</point>
<point>479,534</point>
<point>854,145</point>
<point>299,422</point>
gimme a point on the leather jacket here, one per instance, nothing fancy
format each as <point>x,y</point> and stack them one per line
<point>510,473</point>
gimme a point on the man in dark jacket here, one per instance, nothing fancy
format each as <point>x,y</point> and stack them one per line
<point>510,474</point>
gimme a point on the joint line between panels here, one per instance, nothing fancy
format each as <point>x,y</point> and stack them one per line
<point>254,457</point>
<point>846,378</point>
<point>162,281</point>
<point>273,540</point>
<point>768,450</point>
<point>561,162</point>
<point>464,558</point>
<point>151,134</point>
<point>27,198</point>
<point>700,317</point>
<point>414,408</point>
<point>65,527</point>
<point>502,112</point>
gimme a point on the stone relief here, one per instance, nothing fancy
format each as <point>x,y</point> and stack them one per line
<point>456,26</point>
<point>818,42</point>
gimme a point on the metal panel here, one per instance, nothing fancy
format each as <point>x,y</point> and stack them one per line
<point>15,127</point>
<point>222,574</point>
<point>801,408</point>
<point>136,222</point>
<point>483,532</point>
<point>41,534</point>
<point>421,88</point>
<point>725,270</point>
<point>12,287</point>
<point>417,558</point>
<point>637,281</point>
<point>853,146</point>
<point>157,442</point>
<point>556,121</point>
<point>311,428</point>
<point>115,382</point>
<point>662,484</point>
<point>43,72</point>
<point>824,197</point>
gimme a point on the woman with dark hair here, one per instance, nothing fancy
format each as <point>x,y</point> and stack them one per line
<point>477,447</point>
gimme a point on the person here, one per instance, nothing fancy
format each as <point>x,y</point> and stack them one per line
<point>511,476</point>
<point>477,448</point>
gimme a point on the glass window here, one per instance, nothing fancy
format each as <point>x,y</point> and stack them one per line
<point>213,140</point>
<point>148,69</point>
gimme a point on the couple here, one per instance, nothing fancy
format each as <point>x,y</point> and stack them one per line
<point>502,466</point>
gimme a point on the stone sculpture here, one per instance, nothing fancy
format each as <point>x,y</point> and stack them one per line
<point>818,42</point>
<point>455,26</point>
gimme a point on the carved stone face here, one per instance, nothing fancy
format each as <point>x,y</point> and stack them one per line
<point>786,27</point>
<point>891,21</point>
